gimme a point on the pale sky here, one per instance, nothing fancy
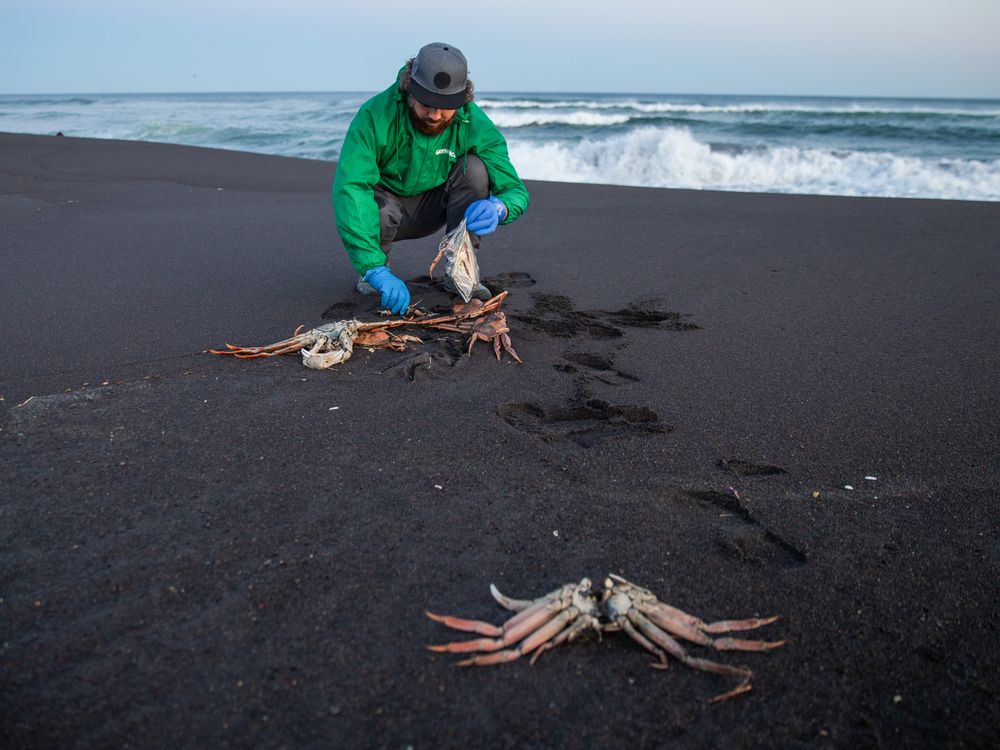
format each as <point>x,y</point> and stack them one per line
<point>932,48</point>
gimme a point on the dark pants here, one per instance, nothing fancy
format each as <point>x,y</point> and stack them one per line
<point>409,217</point>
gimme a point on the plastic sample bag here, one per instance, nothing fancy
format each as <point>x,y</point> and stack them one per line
<point>460,263</point>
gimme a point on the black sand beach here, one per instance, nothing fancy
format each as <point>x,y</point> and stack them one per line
<point>203,552</point>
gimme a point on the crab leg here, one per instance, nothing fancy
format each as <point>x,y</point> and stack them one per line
<point>516,628</point>
<point>252,353</point>
<point>514,605</point>
<point>292,344</point>
<point>658,637</point>
<point>451,327</point>
<point>294,340</point>
<point>723,626</point>
<point>468,626</point>
<point>739,644</point>
<point>473,340</point>
<point>486,628</point>
<point>509,347</point>
<point>646,644</point>
<point>668,644</point>
<point>661,616</point>
<point>566,635</point>
<point>290,349</point>
<point>535,639</point>
<point>743,687</point>
<point>386,324</point>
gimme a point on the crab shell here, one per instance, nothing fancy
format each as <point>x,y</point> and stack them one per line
<point>332,343</point>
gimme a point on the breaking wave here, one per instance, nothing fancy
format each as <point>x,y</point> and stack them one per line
<point>834,107</point>
<point>507,119</point>
<point>672,157</point>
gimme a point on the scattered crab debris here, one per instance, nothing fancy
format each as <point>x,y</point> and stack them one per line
<point>333,343</point>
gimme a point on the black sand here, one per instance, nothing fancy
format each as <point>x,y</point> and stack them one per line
<point>208,553</point>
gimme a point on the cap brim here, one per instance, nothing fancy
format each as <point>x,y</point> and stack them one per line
<point>433,99</point>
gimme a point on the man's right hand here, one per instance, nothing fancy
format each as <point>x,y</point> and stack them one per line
<point>395,295</point>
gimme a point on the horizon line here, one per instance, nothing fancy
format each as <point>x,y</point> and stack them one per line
<point>508,92</point>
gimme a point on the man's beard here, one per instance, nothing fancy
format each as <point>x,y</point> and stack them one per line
<point>429,128</point>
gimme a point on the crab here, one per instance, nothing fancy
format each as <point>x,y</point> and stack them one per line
<point>489,326</point>
<point>493,328</point>
<point>653,624</point>
<point>321,347</point>
<point>327,345</point>
<point>333,343</point>
<point>539,624</point>
<point>382,339</point>
<point>576,608</point>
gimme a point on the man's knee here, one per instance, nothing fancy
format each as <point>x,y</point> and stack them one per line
<point>389,217</point>
<point>471,171</point>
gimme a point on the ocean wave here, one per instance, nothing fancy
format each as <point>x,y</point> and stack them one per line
<point>751,107</point>
<point>170,132</point>
<point>507,119</point>
<point>882,147</point>
<point>672,157</point>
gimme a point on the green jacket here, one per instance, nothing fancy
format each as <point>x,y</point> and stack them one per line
<point>383,148</point>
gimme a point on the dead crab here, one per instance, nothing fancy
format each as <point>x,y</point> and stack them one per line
<point>325,346</point>
<point>654,625</point>
<point>576,608</point>
<point>492,326</point>
<point>540,624</point>
<point>333,343</point>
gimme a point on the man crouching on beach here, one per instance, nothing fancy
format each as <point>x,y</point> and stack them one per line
<point>418,156</point>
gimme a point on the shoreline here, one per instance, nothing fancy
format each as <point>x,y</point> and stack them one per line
<point>333,164</point>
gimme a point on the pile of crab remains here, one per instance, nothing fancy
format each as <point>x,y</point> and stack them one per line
<point>333,343</point>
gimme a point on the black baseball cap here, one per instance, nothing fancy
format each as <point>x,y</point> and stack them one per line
<point>438,76</point>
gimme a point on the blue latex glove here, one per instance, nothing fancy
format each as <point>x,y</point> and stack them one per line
<point>483,216</point>
<point>395,295</point>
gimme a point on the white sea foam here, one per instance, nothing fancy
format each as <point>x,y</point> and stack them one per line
<point>507,119</point>
<point>672,157</point>
<point>545,104</point>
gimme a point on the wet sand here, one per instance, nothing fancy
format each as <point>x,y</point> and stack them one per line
<point>198,551</point>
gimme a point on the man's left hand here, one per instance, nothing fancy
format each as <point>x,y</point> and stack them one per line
<point>483,216</point>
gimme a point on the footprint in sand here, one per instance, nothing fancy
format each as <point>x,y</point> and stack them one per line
<point>594,366</point>
<point>554,315</point>
<point>748,469</point>
<point>740,536</point>
<point>508,280</point>
<point>585,423</point>
<point>340,311</point>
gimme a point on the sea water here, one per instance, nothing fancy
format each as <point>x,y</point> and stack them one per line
<point>920,148</point>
